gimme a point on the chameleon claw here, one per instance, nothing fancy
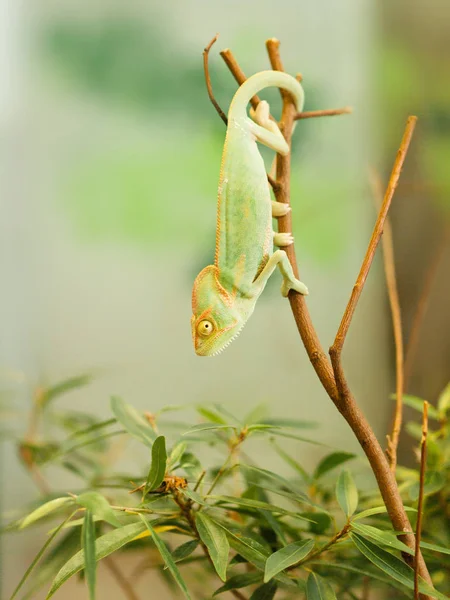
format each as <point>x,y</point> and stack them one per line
<point>280,209</point>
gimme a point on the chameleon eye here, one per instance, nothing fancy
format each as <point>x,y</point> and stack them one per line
<point>205,328</point>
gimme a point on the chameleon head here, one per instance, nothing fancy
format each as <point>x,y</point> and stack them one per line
<point>216,320</point>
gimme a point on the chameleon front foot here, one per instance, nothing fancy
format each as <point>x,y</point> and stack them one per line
<point>283,239</point>
<point>280,209</point>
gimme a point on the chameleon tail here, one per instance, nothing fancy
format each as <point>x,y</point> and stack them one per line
<point>264,79</point>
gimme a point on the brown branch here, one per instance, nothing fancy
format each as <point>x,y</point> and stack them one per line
<point>121,580</point>
<point>423,464</point>
<point>237,72</point>
<point>220,112</point>
<point>391,282</point>
<point>329,112</point>
<point>422,304</point>
<point>344,402</point>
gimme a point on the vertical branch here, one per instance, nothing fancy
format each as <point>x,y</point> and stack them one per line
<point>423,463</point>
<point>214,102</point>
<point>391,282</point>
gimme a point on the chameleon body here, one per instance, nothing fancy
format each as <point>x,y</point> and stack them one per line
<point>225,293</point>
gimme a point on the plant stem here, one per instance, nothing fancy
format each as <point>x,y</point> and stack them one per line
<point>423,465</point>
<point>394,302</point>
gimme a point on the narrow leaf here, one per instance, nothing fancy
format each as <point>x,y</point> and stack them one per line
<point>158,465</point>
<point>64,387</point>
<point>444,400</point>
<point>207,427</point>
<point>318,588</point>
<point>393,566</point>
<point>286,557</point>
<point>133,421</point>
<point>331,462</point>
<point>435,548</point>
<point>99,506</point>
<point>239,581</point>
<point>258,505</point>
<point>45,509</point>
<point>104,546</point>
<point>184,550</point>
<point>377,510</point>
<point>39,555</point>
<point>346,493</point>
<point>434,482</point>
<point>167,558</point>
<point>265,592</point>
<point>177,452</point>
<point>379,537</point>
<point>417,404</point>
<point>215,539</point>
<point>88,545</point>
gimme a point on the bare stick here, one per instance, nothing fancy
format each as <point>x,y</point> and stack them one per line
<point>345,404</point>
<point>237,72</point>
<point>391,282</point>
<point>121,580</point>
<point>423,465</point>
<point>336,349</point>
<point>220,112</point>
<point>329,112</point>
<point>422,304</point>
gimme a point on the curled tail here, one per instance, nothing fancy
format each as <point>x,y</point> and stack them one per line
<point>258,82</point>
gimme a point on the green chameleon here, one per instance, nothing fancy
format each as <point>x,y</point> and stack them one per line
<point>225,294</point>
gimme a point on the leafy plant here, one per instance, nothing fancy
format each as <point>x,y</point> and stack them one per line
<point>234,523</point>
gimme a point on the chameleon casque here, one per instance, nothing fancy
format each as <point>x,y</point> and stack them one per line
<point>225,293</point>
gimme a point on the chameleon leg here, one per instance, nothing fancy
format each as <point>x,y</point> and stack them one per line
<point>266,131</point>
<point>280,209</point>
<point>280,259</point>
<point>282,239</point>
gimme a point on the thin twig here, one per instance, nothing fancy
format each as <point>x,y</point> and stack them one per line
<point>121,580</point>
<point>336,349</point>
<point>237,72</point>
<point>220,112</point>
<point>328,112</point>
<point>345,404</point>
<point>422,304</point>
<point>423,464</point>
<point>391,283</point>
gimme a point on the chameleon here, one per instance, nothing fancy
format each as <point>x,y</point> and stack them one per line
<point>225,293</point>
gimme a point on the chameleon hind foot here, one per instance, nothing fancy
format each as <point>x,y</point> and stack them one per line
<point>293,284</point>
<point>280,209</point>
<point>283,239</point>
<point>261,116</point>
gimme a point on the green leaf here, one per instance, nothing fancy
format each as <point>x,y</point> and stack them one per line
<point>286,557</point>
<point>99,506</point>
<point>167,558</point>
<point>133,421</point>
<point>184,550</point>
<point>210,415</point>
<point>215,539</point>
<point>239,581</point>
<point>435,548</point>
<point>88,545</point>
<point>104,546</point>
<point>366,572</point>
<point>177,452</point>
<point>318,588</point>
<point>291,423</point>
<point>249,548</point>
<point>393,566</point>
<point>346,493</point>
<point>331,462</point>
<point>291,462</point>
<point>39,555</point>
<point>377,510</point>
<point>64,387</point>
<point>275,525</point>
<point>380,537</point>
<point>434,482</point>
<point>417,404</point>
<point>258,505</point>
<point>194,496</point>
<point>158,465</point>
<point>265,592</point>
<point>294,436</point>
<point>207,427</point>
<point>444,400</point>
<point>45,509</point>
<point>320,521</point>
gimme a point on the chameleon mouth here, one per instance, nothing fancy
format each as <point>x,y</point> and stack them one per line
<point>220,350</point>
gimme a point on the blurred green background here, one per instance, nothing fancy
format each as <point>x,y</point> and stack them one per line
<point>110,162</point>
